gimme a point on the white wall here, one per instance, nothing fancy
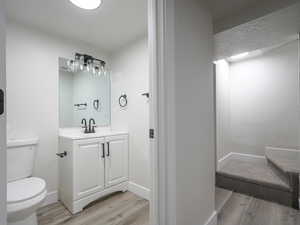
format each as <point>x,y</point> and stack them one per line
<point>264,101</point>
<point>32,91</point>
<point>130,75</point>
<point>2,120</point>
<point>188,89</point>
<point>222,108</point>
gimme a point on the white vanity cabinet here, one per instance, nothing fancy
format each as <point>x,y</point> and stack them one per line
<point>92,168</point>
<point>89,167</point>
<point>116,160</point>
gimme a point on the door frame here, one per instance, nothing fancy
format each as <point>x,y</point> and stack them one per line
<point>162,114</point>
<point>3,169</point>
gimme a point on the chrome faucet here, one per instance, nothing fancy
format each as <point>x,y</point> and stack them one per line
<point>92,127</point>
<point>83,122</point>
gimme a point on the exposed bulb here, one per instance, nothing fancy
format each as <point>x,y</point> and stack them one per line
<point>102,70</point>
<point>85,67</point>
<point>76,65</point>
<point>96,71</point>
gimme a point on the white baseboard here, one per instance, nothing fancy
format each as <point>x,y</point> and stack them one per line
<point>236,155</point>
<point>213,219</point>
<point>223,160</point>
<point>139,190</point>
<point>248,155</point>
<point>282,149</point>
<point>52,197</point>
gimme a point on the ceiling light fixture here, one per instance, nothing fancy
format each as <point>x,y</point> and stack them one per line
<point>87,4</point>
<point>239,56</point>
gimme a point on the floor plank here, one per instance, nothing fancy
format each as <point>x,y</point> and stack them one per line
<point>129,209</point>
<point>221,197</point>
<point>117,209</point>
<point>246,210</point>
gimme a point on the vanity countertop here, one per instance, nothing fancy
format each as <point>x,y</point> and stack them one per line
<point>77,134</point>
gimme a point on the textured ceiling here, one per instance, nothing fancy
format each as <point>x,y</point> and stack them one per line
<point>223,9</point>
<point>230,13</point>
<point>274,29</point>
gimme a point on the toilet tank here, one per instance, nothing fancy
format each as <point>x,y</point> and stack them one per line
<point>20,158</point>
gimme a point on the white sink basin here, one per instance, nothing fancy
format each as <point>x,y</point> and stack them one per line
<point>77,133</point>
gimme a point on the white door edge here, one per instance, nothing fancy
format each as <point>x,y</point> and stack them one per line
<point>2,119</point>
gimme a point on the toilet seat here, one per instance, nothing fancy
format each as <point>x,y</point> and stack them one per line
<point>24,197</point>
<point>25,189</point>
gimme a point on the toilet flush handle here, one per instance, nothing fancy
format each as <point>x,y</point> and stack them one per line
<point>61,155</point>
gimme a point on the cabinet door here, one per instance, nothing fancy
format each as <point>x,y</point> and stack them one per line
<point>89,164</point>
<point>116,160</point>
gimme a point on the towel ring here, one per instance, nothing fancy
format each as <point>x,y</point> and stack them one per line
<point>123,100</point>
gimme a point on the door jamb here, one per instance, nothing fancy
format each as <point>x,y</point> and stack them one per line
<point>162,113</point>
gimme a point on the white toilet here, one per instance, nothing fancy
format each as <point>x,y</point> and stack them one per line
<point>25,194</point>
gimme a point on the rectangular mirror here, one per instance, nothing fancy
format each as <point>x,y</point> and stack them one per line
<point>82,94</point>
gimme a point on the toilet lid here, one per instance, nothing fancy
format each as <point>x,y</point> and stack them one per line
<point>25,189</point>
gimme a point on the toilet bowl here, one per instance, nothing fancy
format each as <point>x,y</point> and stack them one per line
<point>25,194</point>
<point>24,197</point>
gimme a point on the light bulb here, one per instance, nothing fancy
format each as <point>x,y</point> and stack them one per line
<point>76,65</point>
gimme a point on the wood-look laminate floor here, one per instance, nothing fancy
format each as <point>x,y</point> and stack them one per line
<point>129,209</point>
<point>245,210</point>
<point>221,197</point>
<point>117,209</point>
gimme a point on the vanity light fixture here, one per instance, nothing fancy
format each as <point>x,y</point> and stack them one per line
<point>84,62</point>
<point>239,56</point>
<point>87,4</point>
